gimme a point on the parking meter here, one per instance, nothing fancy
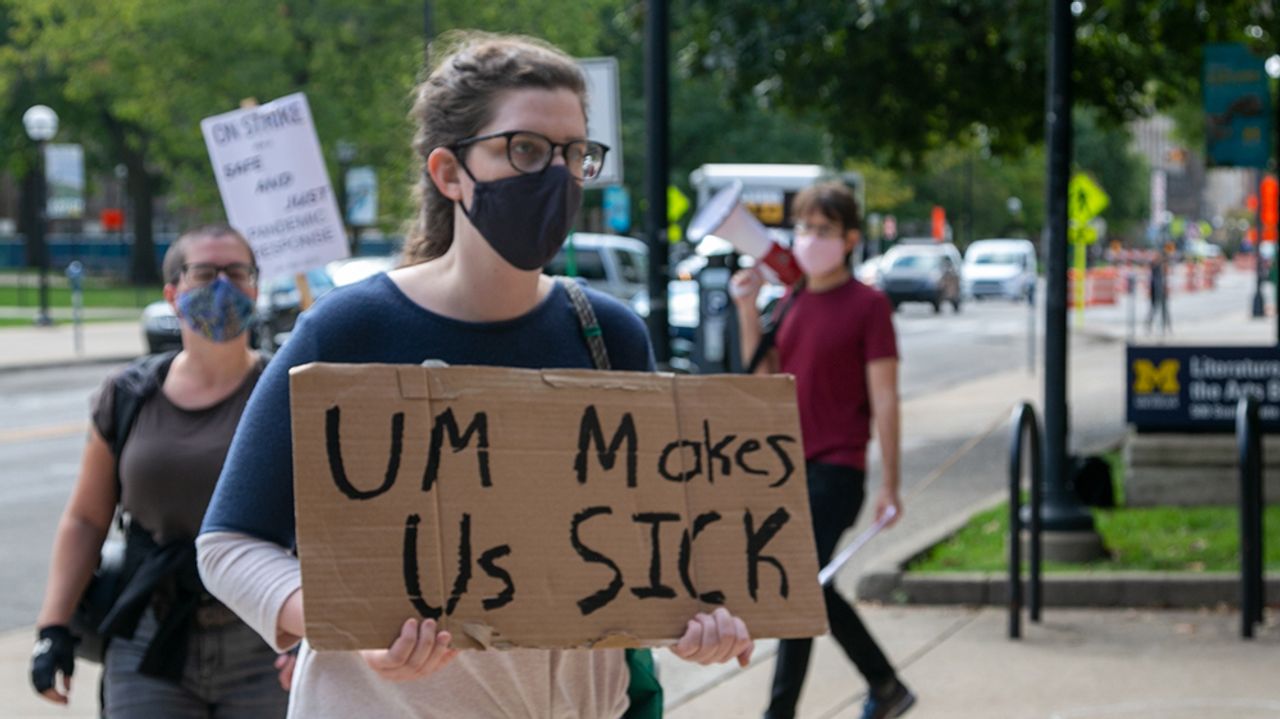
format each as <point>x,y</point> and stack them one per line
<point>75,275</point>
<point>717,336</point>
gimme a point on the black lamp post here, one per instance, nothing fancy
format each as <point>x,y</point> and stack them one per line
<point>41,123</point>
<point>656,169</point>
<point>1070,534</point>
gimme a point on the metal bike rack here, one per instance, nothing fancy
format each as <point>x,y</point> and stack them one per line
<point>1249,445</point>
<point>1026,431</point>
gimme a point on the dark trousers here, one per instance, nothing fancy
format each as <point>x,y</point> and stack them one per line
<point>835,498</point>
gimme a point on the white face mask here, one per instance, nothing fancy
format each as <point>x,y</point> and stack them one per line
<point>818,256</point>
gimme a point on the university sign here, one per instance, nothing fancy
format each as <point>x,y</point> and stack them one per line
<point>1196,389</point>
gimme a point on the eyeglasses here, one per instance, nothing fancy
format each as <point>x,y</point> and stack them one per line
<point>531,153</point>
<point>203,273</point>
<point>822,232</point>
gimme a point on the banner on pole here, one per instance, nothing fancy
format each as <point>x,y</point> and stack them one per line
<point>1237,107</point>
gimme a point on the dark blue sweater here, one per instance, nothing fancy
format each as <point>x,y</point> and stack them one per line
<point>374,322</point>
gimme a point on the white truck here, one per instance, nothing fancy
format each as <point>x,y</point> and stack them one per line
<point>768,189</point>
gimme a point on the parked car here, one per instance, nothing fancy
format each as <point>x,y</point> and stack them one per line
<point>1000,268</point>
<point>279,304</point>
<point>161,328</point>
<point>868,273</point>
<point>920,272</point>
<point>612,264</point>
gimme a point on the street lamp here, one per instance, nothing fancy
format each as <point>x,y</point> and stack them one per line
<point>41,123</point>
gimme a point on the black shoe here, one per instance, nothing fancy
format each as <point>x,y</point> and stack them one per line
<point>891,702</point>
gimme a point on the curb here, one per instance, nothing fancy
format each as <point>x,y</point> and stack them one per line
<point>1148,590</point>
<point>884,579</point>
<point>888,582</point>
<point>66,363</point>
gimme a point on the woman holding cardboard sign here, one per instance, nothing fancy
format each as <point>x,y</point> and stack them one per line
<point>503,138</point>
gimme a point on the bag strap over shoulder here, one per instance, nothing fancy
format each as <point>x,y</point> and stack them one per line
<point>643,690</point>
<point>587,320</point>
<point>769,338</point>
<point>130,390</point>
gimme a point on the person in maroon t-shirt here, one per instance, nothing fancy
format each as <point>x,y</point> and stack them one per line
<point>836,336</point>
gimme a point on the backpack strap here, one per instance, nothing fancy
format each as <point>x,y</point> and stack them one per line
<point>591,331</point>
<point>769,338</point>
<point>130,390</point>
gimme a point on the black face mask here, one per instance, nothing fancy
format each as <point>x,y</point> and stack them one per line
<point>526,218</point>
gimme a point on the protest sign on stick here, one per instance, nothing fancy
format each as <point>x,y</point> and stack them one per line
<point>274,185</point>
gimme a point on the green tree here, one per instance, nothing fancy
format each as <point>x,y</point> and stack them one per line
<point>1105,152</point>
<point>893,79</point>
<point>132,79</point>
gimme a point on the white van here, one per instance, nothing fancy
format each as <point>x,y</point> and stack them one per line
<point>1000,268</point>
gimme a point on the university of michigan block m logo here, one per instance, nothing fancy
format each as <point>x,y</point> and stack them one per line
<point>1148,378</point>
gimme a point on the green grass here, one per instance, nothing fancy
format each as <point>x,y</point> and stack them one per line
<point>1183,539</point>
<point>24,291</point>
<point>30,321</point>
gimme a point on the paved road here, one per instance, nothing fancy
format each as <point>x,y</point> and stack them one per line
<point>42,430</point>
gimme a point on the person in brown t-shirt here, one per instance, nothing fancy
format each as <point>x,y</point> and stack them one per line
<point>162,479</point>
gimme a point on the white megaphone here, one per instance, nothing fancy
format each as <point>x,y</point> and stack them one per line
<point>724,216</point>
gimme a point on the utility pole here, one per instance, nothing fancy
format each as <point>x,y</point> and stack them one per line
<point>656,118</point>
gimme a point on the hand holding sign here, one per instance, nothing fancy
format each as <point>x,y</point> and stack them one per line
<point>418,652</point>
<point>715,639</point>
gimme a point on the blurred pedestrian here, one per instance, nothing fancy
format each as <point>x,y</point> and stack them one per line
<point>1159,292</point>
<point>160,432</point>
<point>502,138</point>
<point>836,336</point>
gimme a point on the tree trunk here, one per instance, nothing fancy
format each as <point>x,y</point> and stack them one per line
<point>142,269</point>
<point>141,186</point>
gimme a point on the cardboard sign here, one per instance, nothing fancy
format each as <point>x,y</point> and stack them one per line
<point>274,185</point>
<point>565,508</point>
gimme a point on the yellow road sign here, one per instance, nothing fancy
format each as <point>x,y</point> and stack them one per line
<point>677,204</point>
<point>1082,234</point>
<point>1085,199</point>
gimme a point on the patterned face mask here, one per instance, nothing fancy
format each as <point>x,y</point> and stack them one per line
<point>219,311</point>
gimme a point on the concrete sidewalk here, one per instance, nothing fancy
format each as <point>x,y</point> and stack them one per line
<point>1077,664</point>
<point>40,347</point>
